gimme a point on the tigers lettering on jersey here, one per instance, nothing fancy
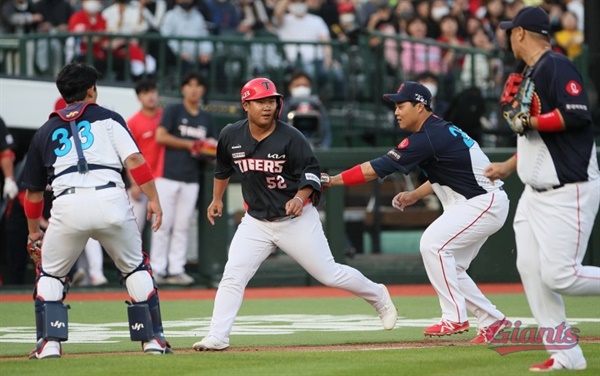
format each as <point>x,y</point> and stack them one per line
<point>264,165</point>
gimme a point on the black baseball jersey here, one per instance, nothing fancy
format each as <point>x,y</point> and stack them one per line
<point>272,170</point>
<point>547,159</point>
<point>451,160</point>
<point>180,165</point>
<point>105,142</point>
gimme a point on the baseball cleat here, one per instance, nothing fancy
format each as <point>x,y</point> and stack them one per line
<point>388,313</point>
<point>153,347</point>
<point>182,279</point>
<point>210,343</point>
<point>487,334</point>
<point>552,365</point>
<point>46,349</point>
<point>446,328</point>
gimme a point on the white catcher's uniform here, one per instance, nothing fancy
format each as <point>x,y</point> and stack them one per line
<point>556,211</point>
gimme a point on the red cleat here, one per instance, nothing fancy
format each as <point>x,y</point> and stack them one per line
<point>487,334</point>
<point>446,328</point>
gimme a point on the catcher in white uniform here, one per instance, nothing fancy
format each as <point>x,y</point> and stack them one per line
<point>81,151</point>
<point>280,179</point>
<point>557,163</point>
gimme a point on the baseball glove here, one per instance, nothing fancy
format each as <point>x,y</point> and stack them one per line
<point>34,248</point>
<point>511,86</point>
<point>204,148</point>
<point>516,112</point>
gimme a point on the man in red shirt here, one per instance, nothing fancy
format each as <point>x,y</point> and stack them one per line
<point>143,129</point>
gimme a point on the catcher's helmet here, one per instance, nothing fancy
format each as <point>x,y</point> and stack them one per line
<point>259,88</point>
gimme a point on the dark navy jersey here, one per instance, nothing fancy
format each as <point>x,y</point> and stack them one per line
<point>6,139</point>
<point>180,165</point>
<point>549,159</point>
<point>52,158</point>
<point>451,160</point>
<point>272,170</point>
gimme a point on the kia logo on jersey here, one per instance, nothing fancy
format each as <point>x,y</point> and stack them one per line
<point>573,88</point>
<point>276,156</point>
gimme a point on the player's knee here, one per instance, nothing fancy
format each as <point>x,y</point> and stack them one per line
<point>50,288</point>
<point>559,281</point>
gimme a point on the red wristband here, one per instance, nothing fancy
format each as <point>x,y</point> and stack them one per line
<point>550,122</point>
<point>141,174</point>
<point>8,154</point>
<point>33,210</point>
<point>353,176</point>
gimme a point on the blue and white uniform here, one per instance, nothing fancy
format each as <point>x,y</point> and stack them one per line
<point>556,211</point>
<point>474,209</point>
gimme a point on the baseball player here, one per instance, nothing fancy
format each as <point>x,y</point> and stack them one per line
<point>81,150</point>
<point>474,207</point>
<point>556,160</point>
<point>280,183</point>
<point>143,126</point>
<point>184,130</point>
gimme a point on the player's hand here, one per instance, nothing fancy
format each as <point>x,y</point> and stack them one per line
<point>154,209</point>
<point>403,199</point>
<point>34,246</point>
<point>294,206</point>
<point>497,170</point>
<point>215,209</point>
<point>11,189</point>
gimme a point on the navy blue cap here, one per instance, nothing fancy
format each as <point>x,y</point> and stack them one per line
<point>410,91</point>
<point>530,18</point>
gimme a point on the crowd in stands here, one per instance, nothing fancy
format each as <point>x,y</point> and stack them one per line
<point>453,22</point>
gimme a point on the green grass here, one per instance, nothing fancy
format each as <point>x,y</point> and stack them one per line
<point>187,321</point>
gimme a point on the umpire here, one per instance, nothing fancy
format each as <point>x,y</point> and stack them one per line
<point>557,163</point>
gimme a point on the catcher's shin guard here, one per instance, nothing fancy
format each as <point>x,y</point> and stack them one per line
<point>51,320</point>
<point>140,322</point>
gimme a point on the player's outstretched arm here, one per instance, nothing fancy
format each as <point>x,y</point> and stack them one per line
<point>358,174</point>
<point>404,199</point>
<point>500,170</point>
<point>215,209</point>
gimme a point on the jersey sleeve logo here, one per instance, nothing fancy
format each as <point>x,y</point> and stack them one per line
<point>573,87</point>
<point>394,155</point>
<point>403,144</point>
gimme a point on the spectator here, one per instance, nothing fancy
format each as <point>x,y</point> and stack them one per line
<point>184,20</point>
<point>294,23</point>
<point>569,38</point>
<point>438,106</point>
<point>153,12</point>
<point>143,127</point>
<point>225,16</point>
<point>481,70</point>
<point>494,14</point>
<point>19,17</point>
<point>404,11</point>
<point>182,127</point>
<point>347,29</point>
<point>384,21</point>
<point>449,35</point>
<point>56,14</point>
<point>419,57</point>
<point>123,17</point>
<point>305,111</point>
<point>437,10</point>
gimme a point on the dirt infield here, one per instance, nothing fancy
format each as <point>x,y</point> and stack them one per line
<point>261,293</point>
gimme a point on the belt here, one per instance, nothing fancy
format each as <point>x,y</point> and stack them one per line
<point>71,190</point>
<point>540,190</point>
<point>278,219</point>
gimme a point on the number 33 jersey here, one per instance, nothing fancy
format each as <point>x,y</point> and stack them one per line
<point>452,161</point>
<point>272,170</point>
<point>105,142</point>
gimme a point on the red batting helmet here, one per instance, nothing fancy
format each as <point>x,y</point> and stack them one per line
<point>259,88</point>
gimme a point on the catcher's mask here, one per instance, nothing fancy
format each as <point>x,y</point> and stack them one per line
<point>260,88</point>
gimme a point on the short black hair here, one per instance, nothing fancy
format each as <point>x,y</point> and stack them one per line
<point>75,79</point>
<point>426,75</point>
<point>193,75</point>
<point>300,73</point>
<point>145,85</point>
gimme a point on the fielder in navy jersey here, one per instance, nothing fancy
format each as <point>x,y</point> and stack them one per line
<point>474,207</point>
<point>557,162</point>
<point>81,151</point>
<point>280,179</point>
